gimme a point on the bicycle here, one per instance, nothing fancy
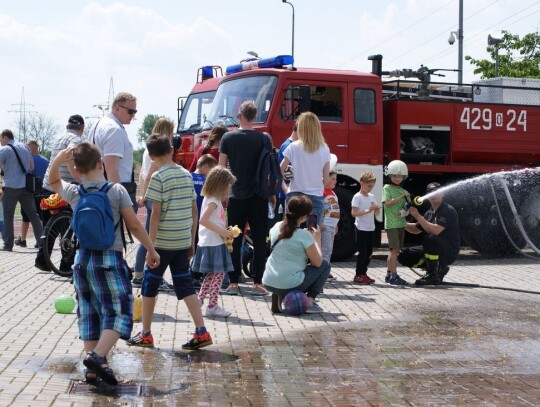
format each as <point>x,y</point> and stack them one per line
<point>59,241</point>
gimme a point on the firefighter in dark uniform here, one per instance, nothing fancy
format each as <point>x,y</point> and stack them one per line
<point>440,245</point>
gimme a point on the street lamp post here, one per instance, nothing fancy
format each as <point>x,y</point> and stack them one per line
<point>459,36</point>
<point>285,1</point>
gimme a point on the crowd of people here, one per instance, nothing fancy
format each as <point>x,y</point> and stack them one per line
<point>193,219</point>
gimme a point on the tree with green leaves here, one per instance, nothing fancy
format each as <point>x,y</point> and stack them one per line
<point>146,128</point>
<point>518,57</point>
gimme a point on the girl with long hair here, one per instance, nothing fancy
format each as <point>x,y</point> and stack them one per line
<point>211,146</point>
<point>212,257</point>
<point>286,268</point>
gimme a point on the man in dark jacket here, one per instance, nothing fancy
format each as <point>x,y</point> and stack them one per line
<point>440,244</point>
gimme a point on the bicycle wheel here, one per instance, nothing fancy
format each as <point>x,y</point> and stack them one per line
<point>59,244</point>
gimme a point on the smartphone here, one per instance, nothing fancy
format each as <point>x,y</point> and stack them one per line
<point>312,221</point>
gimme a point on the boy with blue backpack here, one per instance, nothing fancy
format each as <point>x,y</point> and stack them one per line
<point>100,274</point>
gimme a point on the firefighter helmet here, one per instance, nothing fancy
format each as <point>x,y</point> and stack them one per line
<point>397,167</point>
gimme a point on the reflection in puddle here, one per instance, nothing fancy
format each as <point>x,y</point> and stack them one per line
<point>205,356</point>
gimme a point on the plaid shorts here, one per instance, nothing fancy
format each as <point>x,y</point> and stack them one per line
<point>104,293</point>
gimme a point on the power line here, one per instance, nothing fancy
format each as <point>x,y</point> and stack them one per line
<point>363,52</point>
<point>479,36</point>
<point>441,33</point>
<point>22,116</point>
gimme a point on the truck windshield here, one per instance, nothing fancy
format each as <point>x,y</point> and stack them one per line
<point>231,94</point>
<point>195,110</point>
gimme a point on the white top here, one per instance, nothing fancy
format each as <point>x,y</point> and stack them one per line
<point>145,166</point>
<point>111,138</point>
<point>206,236</point>
<point>365,222</point>
<point>307,167</point>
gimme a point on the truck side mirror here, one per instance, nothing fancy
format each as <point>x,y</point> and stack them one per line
<point>304,101</point>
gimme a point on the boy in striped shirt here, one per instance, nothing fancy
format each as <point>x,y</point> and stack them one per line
<point>172,230</point>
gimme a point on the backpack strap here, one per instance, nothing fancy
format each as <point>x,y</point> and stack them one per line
<point>105,188</point>
<point>82,191</point>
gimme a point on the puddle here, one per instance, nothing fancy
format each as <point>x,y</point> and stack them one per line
<point>459,355</point>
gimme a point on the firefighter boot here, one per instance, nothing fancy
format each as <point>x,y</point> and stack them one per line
<point>432,273</point>
<point>443,271</point>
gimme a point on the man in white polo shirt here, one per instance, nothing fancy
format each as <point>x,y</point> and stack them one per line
<point>111,138</point>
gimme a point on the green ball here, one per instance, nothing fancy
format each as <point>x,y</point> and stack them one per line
<point>64,304</point>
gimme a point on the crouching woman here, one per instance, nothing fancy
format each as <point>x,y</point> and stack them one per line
<point>286,268</point>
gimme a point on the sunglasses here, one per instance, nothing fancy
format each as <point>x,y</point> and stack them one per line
<point>130,111</point>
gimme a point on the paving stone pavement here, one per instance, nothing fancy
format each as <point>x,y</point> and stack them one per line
<point>375,345</point>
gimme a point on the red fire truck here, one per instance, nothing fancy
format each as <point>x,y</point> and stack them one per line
<point>444,132</point>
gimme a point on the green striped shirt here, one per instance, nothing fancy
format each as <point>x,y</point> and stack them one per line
<point>172,186</point>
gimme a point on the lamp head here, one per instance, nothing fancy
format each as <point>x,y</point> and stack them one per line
<point>451,39</point>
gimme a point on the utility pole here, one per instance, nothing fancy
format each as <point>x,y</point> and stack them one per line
<point>22,116</point>
<point>460,44</point>
<point>110,100</point>
<point>459,36</point>
<point>106,107</point>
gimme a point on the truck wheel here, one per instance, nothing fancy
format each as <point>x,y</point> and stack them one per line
<point>489,239</point>
<point>345,241</point>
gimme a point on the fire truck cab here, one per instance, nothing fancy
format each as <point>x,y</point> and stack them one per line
<point>192,112</point>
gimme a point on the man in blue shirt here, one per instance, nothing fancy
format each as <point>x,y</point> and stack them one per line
<point>40,167</point>
<point>14,187</point>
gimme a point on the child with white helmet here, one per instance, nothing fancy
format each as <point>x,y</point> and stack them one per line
<point>393,199</point>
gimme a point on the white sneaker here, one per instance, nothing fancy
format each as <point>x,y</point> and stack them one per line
<point>217,311</point>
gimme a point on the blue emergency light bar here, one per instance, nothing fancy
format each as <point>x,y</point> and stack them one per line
<point>273,62</point>
<point>207,72</point>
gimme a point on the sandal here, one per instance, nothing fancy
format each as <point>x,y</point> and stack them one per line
<point>99,365</point>
<point>91,377</point>
<point>232,289</point>
<point>258,289</point>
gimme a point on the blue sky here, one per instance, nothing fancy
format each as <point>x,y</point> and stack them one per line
<point>64,52</point>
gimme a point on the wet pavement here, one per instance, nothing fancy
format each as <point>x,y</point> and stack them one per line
<point>375,345</point>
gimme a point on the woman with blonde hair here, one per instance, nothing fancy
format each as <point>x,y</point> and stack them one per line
<point>309,157</point>
<point>148,167</point>
<point>211,146</point>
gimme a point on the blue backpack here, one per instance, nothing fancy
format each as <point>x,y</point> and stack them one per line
<point>93,221</point>
<point>268,176</point>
